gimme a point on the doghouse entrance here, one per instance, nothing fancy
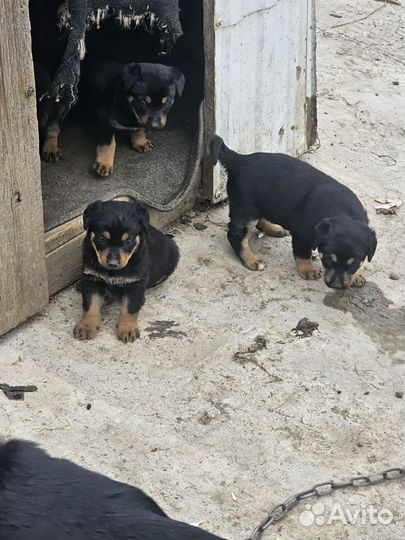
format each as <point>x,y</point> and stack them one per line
<point>159,178</point>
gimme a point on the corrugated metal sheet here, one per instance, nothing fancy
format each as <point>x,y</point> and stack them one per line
<point>264,73</point>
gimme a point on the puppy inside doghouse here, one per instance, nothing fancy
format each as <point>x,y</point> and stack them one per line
<point>128,97</point>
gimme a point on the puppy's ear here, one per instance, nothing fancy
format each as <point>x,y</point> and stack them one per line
<point>179,81</point>
<point>372,244</point>
<point>130,72</point>
<point>322,229</point>
<point>90,213</point>
<point>143,216</point>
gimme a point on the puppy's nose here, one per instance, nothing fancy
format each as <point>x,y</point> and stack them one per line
<point>155,123</point>
<point>337,283</point>
<point>338,286</point>
<point>113,264</point>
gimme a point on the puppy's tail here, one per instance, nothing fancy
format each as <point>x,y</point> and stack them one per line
<point>220,152</point>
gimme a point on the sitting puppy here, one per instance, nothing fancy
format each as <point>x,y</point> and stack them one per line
<point>45,498</point>
<point>318,211</point>
<point>129,97</point>
<point>122,252</point>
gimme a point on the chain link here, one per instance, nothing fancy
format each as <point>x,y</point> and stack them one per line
<point>320,490</point>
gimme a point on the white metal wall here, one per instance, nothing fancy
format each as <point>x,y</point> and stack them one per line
<point>264,73</point>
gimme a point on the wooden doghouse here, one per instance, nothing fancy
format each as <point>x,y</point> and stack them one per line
<point>258,92</point>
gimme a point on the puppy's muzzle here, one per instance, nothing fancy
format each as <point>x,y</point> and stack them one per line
<point>336,280</point>
<point>113,263</point>
<point>157,122</point>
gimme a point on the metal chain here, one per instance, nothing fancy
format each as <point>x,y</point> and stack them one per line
<point>320,490</point>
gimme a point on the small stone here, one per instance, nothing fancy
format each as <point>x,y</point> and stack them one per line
<point>88,406</point>
<point>186,220</point>
<point>395,83</point>
<point>360,444</point>
<point>395,276</point>
<point>399,395</point>
<point>200,226</point>
<point>366,393</point>
<point>205,418</point>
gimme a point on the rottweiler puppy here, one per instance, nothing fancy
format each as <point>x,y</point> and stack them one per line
<point>124,253</point>
<point>47,498</point>
<point>280,192</point>
<point>48,46</point>
<point>129,97</point>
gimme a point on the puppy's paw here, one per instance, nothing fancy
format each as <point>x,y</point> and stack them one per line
<point>86,329</point>
<point>128,332</point>
<point>140,142</point>
<point>51,155</point>
<point>359,279</point>
<point>255,264</point>
<point>307,269</point>
<point>103,168</point>
<point>147,146</point>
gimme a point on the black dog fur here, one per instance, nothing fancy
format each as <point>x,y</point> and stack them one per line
<point>130,97</point>
<point>45,498</point>
<point>124,253</point>
<point>318,211</point>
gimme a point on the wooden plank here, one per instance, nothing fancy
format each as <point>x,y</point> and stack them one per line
<point>62,234</point>
<point>23,282</point>
<point>65,264</point>
<point>209,97</point>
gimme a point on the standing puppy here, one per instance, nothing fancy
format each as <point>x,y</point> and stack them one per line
<point>318,211</point>
<point>124,253</point>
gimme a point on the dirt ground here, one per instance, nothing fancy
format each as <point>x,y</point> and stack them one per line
<point>221,411</point>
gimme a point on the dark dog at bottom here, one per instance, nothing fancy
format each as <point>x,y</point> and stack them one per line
<point>44,498</point>
<point>122,252</point>
<point>281,192</point>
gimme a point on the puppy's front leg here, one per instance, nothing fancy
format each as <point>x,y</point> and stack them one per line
<point>303,259</point>
<point>238,236</point>
<point>50,149</point>
<point>140,142</point>
<point>93,298</point>
<point>106,144</point>
<point>132,301</point>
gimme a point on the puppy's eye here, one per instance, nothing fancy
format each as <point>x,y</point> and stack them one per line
<point>352,263</point>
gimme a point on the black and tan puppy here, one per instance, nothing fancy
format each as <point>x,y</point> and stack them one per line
<point>318,211</point>
<point>124,253</point>
<point>131,97</point>
<point>45,498</point>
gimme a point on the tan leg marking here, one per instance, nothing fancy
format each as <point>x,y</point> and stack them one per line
<point>127,330</point>
<point>50,149</point>
<point>307,270</point>
<point>271,229</point>
<point>105,158</point>
<point>140,142</point>
<point>88,327</point>
<point>249,259</point>
<point>359,279</point>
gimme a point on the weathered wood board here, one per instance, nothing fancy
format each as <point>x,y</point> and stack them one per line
<point>23,279</point>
